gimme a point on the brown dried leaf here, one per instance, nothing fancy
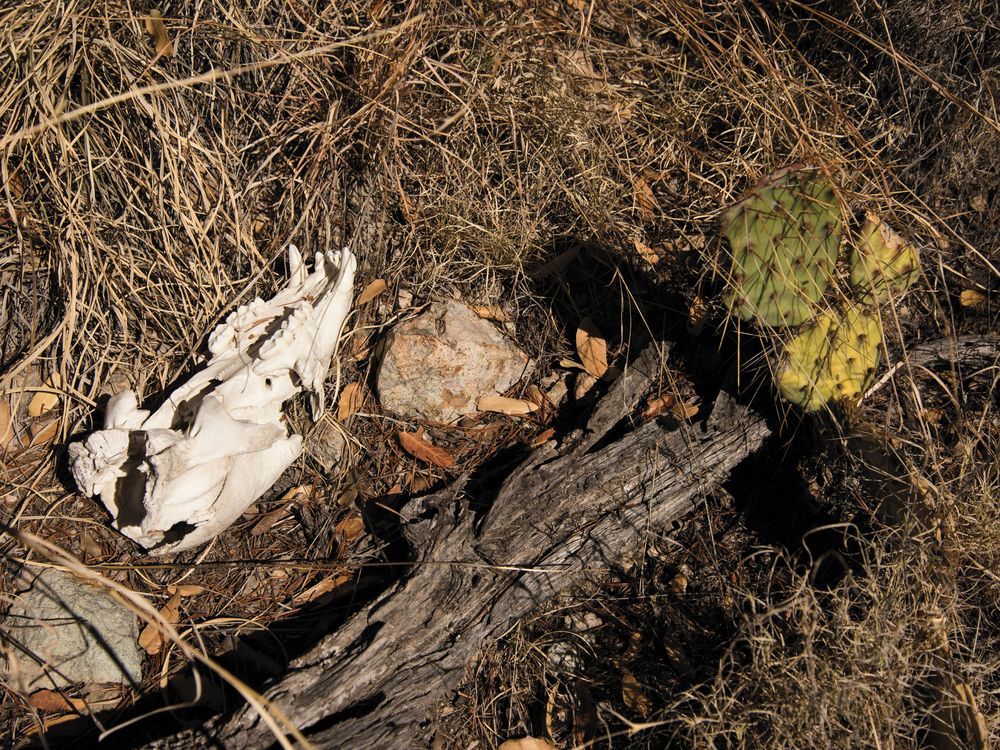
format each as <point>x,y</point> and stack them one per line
<point>269,520</point>
<point>370,292</point>
<point>55,702</point>
<point>647,253</point>
<point>414,444</point>
<point>657,406</point>
<point>592,348</point>
<point>571,364</point>
<point>44,432</point>
<point>492,312</point>
<point>151,639</point>
<point>352,398</point>
<point>514,407</point>
<point>971,298</point>
<point>527,743</point>
<point>536,396</point>
<point>6,423</point>
<point>633,696</point>
<point>684,411</point>
<point>187,589</point>
<point>155,27</point>
<point>543,437</point>
<point>323,586</point>
<point>645,200</point>
<point>350,527</point>
<point>44,401</point>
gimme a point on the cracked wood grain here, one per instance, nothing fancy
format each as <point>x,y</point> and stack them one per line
<point>556,517</point>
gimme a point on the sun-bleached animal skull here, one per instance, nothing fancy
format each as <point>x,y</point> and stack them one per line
<point>180,476</point>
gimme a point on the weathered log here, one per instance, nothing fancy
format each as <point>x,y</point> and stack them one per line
<point>560,514</point>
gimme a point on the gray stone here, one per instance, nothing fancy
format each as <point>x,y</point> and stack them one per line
<point>438,365</point>
<point>62,631</point>
<point>327,444</point>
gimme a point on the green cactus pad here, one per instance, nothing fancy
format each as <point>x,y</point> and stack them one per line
<point>883,264</point>
<point>831,360</point>
<point>784,237</point>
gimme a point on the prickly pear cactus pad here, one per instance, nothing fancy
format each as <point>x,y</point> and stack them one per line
<point>854,354</point>
<point>882,263</point>
<point>831,360</point>
<point>784,237</point>
<point>801,374</point>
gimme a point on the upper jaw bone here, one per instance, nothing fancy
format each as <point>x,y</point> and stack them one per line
<point>178,477</point>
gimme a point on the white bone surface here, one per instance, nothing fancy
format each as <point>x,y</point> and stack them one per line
<point>178,477</point>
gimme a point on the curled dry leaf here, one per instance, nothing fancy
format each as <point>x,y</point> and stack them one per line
<point>370,292</point>
<point>527,743</point>
<point>515,407</point>
<point>352,398</point>
<point>592,348</point>
<point>633,696</point>
<point>492,312</point>
<point>44,401</point>
<point>645,199</point>
<point>186,589</point>
<point>6,422</point>
<point>414,444</point>
<point>543,437</point>
<point>657,406</point>
<point>571,364</point>
<point>970,298</point>
<point>684,411</point>
<point>647,253</point>
<point>155,27</point>
<point>44,432</point>
<point>350,526</point>
<point>151,639</point>
<point>52,701</point>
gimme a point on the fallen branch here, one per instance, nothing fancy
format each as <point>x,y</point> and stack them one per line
<point>558,515</point>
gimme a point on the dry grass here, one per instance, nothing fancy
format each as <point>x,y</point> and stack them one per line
<point>457,149</point>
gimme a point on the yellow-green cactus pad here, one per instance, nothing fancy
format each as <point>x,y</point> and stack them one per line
<point>854,354</point>
<point>801,375</point>
<point>883,264</point>
<point>785,237</point>
<point>831,360</point>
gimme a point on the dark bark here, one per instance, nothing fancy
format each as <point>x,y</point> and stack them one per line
<point>559,515</point>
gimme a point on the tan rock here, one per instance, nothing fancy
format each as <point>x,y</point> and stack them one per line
<point>438,365</point>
